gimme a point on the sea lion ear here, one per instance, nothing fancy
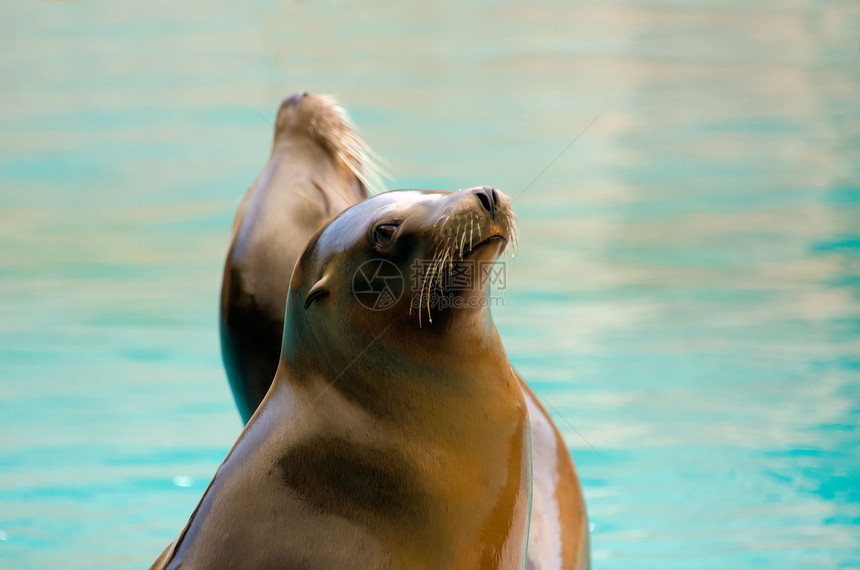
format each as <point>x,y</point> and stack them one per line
<point>319,290</point>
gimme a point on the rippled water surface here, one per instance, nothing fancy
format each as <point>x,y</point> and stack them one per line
<point>686,294</point>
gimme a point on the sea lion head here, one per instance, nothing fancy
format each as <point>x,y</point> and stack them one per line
<point>319,119</point>
<point>415,260</point>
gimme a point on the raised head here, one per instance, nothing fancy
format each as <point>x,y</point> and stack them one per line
<point>416,260</point>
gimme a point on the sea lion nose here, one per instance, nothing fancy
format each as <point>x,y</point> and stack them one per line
<point>487,196</point>
<point>294,99</point>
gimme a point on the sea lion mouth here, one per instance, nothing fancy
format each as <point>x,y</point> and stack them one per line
<point>473,232</point>
<point>486,241</point>
<point>454,272</point>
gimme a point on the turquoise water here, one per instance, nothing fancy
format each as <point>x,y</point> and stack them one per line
<point>686,294</point>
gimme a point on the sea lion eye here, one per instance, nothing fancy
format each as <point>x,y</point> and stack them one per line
<point>383,234</point>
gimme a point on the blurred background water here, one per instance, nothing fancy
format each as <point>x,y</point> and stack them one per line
<point>686,294</point>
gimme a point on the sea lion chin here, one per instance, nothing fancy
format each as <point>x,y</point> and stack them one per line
<point>318,167</point>
<point>395,435</point>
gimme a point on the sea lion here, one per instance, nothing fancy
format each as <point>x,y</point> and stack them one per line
<point>395,435</point>
<point>318,167</point>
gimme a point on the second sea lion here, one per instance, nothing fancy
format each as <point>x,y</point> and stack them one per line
<point>318,167</point>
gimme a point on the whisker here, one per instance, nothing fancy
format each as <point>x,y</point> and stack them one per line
<point>470,232</point>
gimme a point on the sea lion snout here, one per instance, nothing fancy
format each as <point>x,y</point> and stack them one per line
<point>487,197</point>
<point>294,99</point>
<point>493,217</point>
<point>494,203</point>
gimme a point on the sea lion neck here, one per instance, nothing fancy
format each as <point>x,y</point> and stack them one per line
<point>331,178</point>
<point>390,363</point>
<point>301,149</point>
